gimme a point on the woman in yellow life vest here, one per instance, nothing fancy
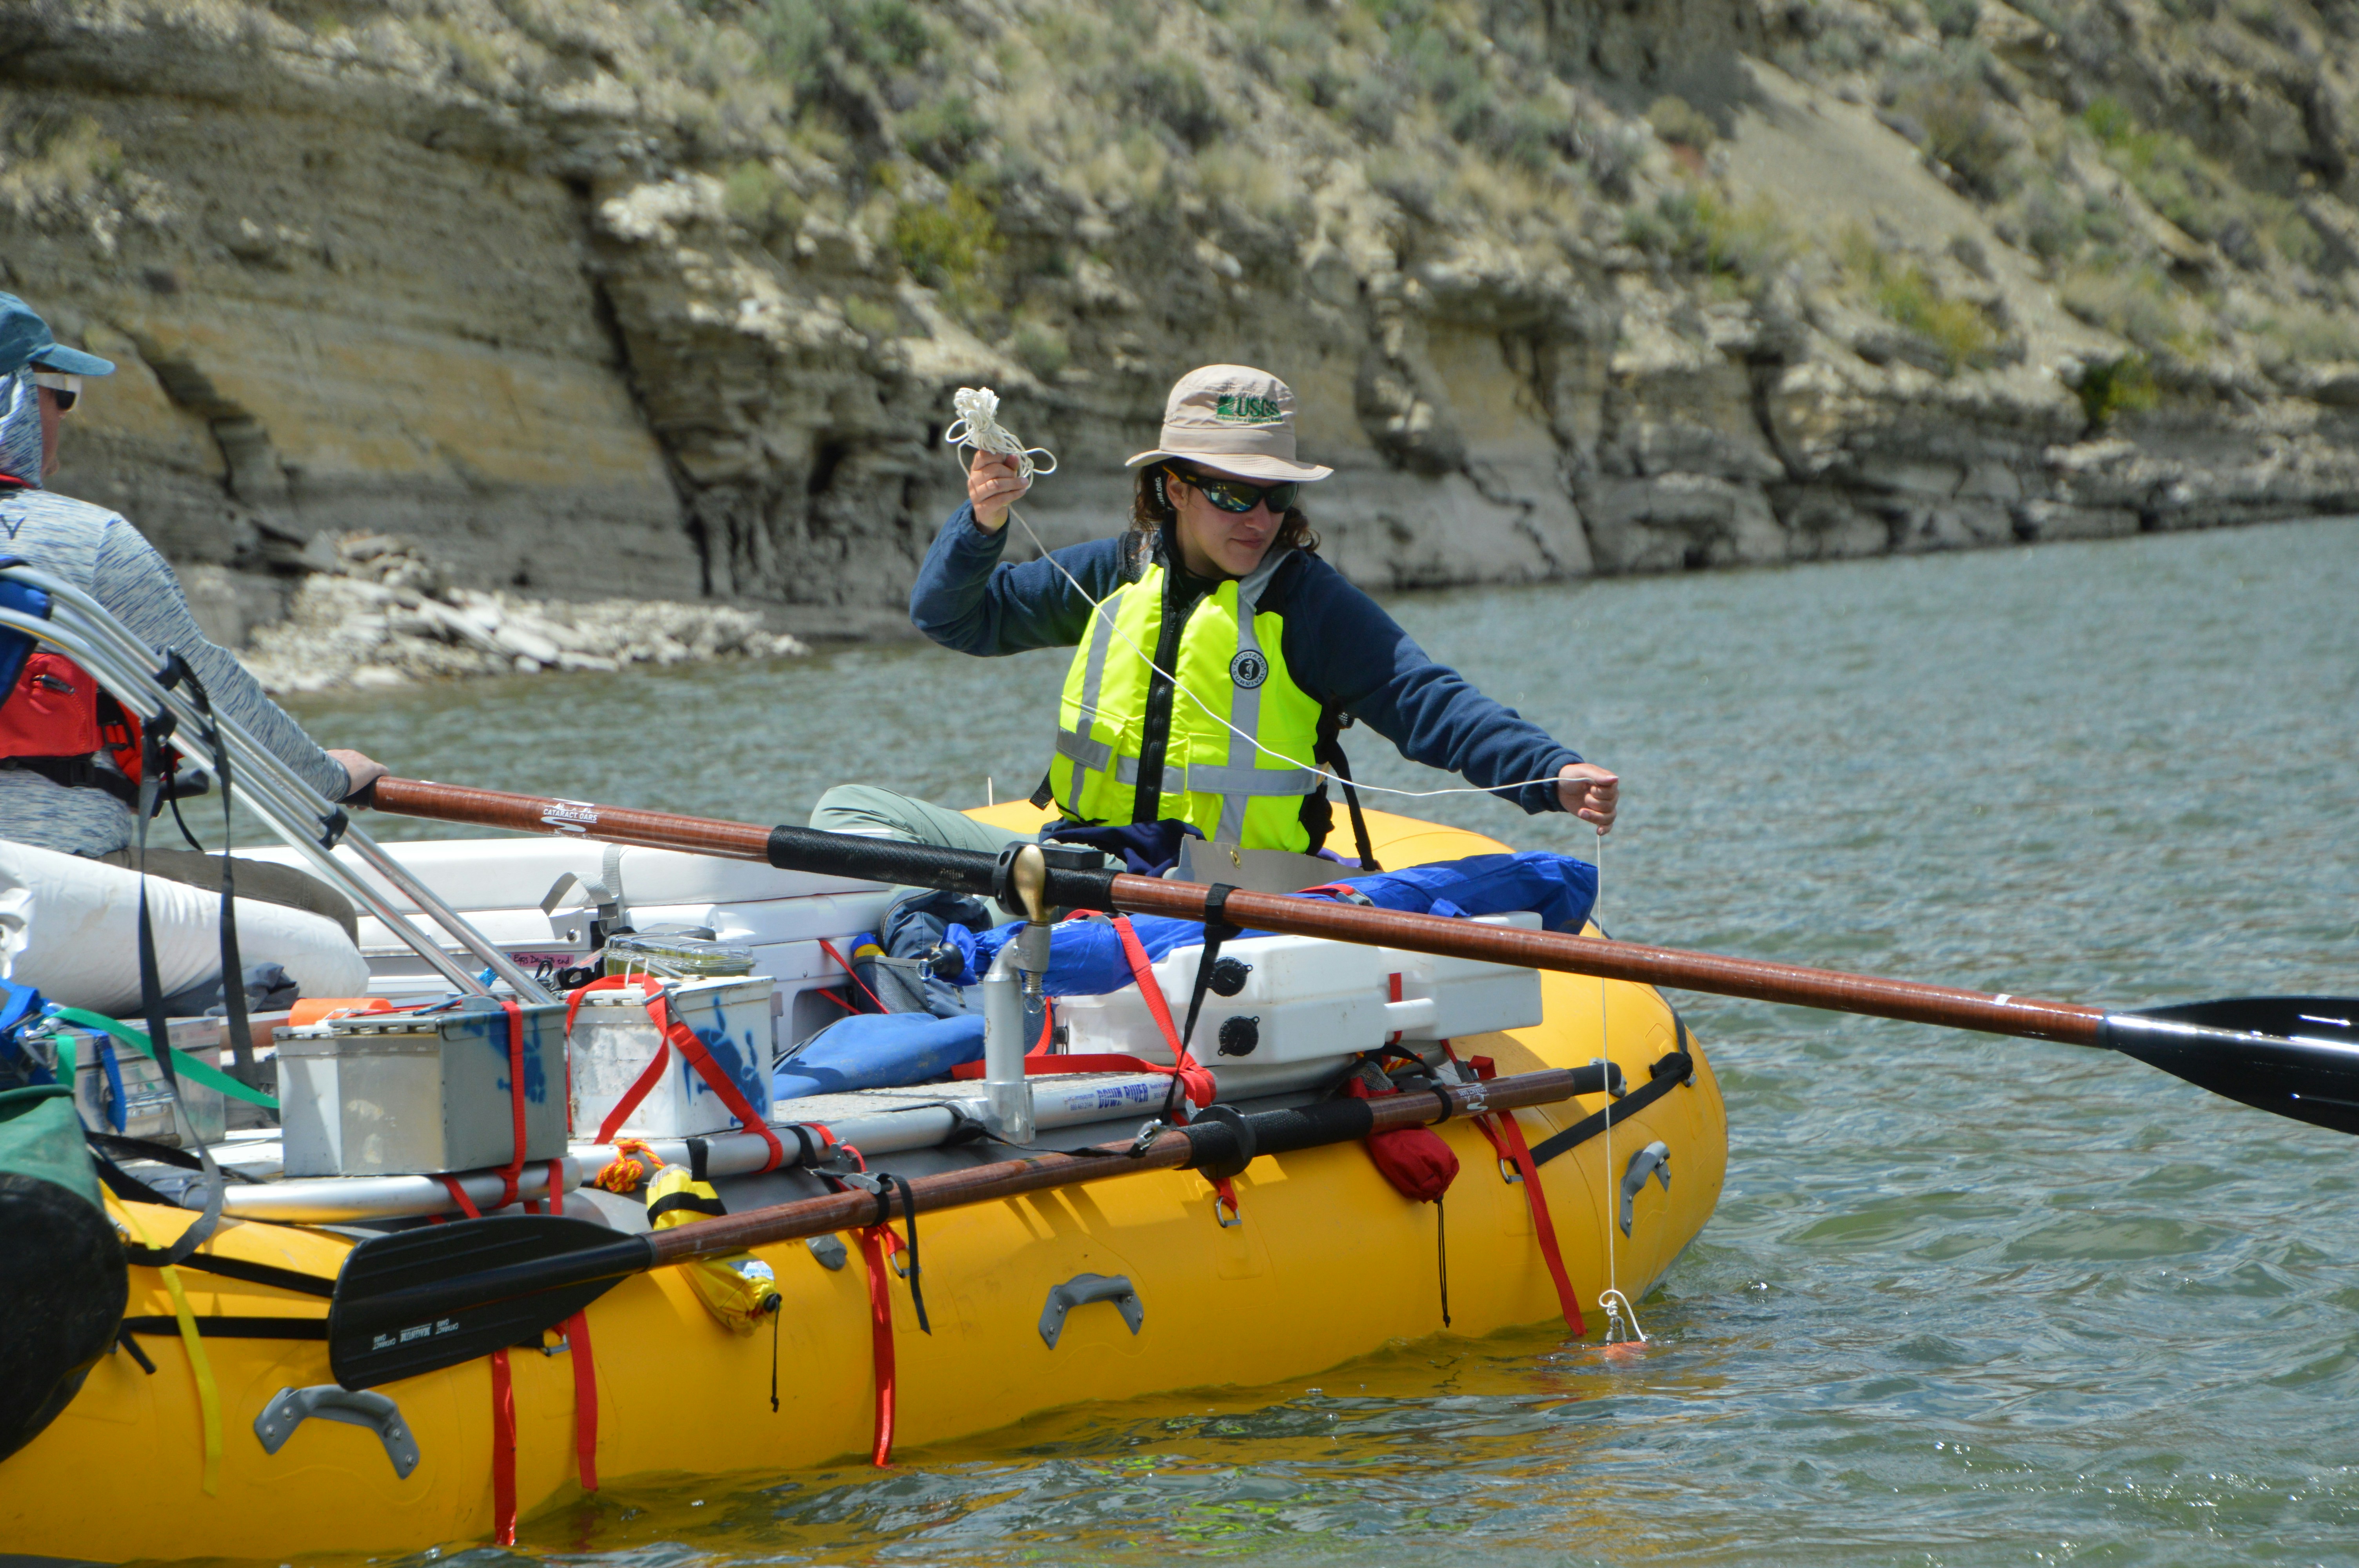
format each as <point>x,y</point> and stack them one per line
<point>1214,653</point>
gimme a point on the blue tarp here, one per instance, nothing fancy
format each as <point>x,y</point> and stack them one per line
<point>1086,957</point>
<point>889,1049</point>
<point>879,1051</point>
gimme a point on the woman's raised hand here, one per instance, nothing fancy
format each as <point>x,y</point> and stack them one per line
<point>992,485</point>
<point>1589,792</point>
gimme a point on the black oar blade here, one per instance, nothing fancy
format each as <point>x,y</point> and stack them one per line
<point>2305,1065</point>
<point>418,1301</point>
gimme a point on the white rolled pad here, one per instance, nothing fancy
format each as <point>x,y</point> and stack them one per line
<point>70,928</point>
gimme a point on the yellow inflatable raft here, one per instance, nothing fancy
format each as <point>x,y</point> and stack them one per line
<point>1328,1263</point>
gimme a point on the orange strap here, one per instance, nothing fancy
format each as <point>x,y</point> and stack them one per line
<point>515,1166</point>
<point>1194,1081</point>
<point>1506,1136</point>
<point>504,1425</point>
<point>1087,1062</point>
<point>880,1336</point>
<point>672,1034</point>
<point>585,1367</point>
<point>845,964</point>
<point>504,1450</point>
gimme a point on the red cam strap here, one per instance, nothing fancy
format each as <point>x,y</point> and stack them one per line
<point>585,1366</point>
<point>880,1336</point>
<point>1506,1136</point>
<point>1087,1062</point>
<point>1194,1081</point>
<point>515,1166</point>
<point>504,1423</point>
<point>672,1034</point>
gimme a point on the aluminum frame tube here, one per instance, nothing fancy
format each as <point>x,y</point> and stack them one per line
<point>260,762</point>
<point>265,800</point>
<point>269,783</point>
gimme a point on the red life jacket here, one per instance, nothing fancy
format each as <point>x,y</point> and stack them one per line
<point>56,722</point>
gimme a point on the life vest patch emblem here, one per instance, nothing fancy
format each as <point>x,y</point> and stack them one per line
<point>1249,668</point>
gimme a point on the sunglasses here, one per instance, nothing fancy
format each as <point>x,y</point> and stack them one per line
<point>1236,496</point>
<point>65,388</point>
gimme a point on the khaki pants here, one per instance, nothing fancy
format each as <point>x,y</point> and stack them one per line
<point>261,881</point>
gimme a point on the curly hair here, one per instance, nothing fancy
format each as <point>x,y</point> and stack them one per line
<point>1150,512</point>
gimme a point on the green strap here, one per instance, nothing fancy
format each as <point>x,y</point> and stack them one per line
<point>202,1072</point>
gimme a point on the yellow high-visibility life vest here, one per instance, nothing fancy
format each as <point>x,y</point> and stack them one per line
<point>1231,660</point>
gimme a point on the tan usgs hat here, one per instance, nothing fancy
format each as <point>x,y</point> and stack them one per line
<point>1233,418</point>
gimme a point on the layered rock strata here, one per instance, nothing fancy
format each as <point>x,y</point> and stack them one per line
<point>668,299</point>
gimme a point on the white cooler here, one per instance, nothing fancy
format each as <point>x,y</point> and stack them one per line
<point>614,1039</point>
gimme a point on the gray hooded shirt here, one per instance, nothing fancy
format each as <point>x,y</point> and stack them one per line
<point>98,552</point>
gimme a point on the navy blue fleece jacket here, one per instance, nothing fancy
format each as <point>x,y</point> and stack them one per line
<point>1340,646</point>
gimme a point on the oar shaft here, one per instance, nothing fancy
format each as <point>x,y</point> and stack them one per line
<point>1172,1150</point>
<point>1789,983</point>
<point>967,871</point>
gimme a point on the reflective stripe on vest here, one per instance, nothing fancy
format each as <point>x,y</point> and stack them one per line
<point>1214,777</point>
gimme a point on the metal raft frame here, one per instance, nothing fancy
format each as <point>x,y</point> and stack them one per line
<point>309,823</point>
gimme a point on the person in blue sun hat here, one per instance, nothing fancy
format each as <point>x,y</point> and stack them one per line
<point>66,806</point>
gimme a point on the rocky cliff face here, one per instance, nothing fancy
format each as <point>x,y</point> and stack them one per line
<point>669,297</point>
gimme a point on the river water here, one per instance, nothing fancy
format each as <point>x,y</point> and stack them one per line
<point>1965,1300</point>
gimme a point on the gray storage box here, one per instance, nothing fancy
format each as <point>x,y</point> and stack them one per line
<point>413,1093</point>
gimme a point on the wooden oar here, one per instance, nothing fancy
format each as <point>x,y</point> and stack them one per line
<point>419,1300</point>
<point>2296,1056</point>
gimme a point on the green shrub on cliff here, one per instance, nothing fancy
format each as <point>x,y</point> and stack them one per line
<point>950,246</point>
<point>1697,227</point>
<point>2108,388</point>
<point>1959,330</point>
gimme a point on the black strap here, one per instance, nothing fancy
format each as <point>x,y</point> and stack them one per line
<point>1441,1253</point>
<point>670,1203</point>
<point>699,1152</point>
<point>1330,751</point>
<point>886,1182</point>
<point>77,773</point>
<point>241,1028</point>
<point>131,1346</point>
<point>126,1186</point>
<point>238,1269</point>
<point>158,1154</point>
<point>154,771</point>
<point>1667,1072</point>
<point>1217,930</point>
<point>231,1327</point>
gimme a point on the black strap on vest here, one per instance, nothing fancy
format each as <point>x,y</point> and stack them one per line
<point>77,773</point>
<point>1330,750</point>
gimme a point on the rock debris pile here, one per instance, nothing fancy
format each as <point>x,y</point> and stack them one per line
<point>385,615</point>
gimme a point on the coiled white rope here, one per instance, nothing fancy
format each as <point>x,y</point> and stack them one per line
<point>977,428</point>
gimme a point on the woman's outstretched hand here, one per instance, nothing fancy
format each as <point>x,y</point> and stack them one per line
<point>1589,792</point>
<point>992,485</point>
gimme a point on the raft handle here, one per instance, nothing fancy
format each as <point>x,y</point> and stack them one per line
<point>290,1408</point>
<point>1083,1289</point>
